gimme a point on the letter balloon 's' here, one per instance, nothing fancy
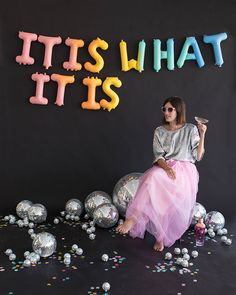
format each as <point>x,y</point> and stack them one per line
<point>92,83</point>
<point>159,54</point>
<point>215,41</point>
<point>62,81</point>
<point>98,66</point>
<point>106,86</point>
<point>49,43</point>
<point>40,79</point>
<point>72,63</point>
<point>25,58</point>
<point>184,55</point>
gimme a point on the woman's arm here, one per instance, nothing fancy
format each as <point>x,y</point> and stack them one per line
<point>170,172</point>
<point>159,154</point>
<point>200,150</point>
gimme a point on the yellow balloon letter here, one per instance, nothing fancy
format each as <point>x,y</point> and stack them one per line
<point>107,89</point>
<point>126,64</point>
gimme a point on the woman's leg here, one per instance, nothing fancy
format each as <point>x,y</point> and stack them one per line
<point>158,246</point>
<point>126,226</point>
<point>138,211</point>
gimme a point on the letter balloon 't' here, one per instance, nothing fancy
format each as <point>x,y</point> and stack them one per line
<point>215,41</point>
<point>49,43</point>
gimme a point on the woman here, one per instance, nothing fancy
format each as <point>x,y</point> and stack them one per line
<point>164,202</point>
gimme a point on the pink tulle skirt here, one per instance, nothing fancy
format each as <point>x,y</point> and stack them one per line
<point>164,206</point>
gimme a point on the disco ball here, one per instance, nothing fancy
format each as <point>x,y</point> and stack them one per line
<point>199,211</point>
<point>44,244</point>
<point>215,220</point>
<point>74,206</point>
<point>22,208</point>
<point>37,213</point>
<point>125,190</point>
<point>106,215</point>
<point>95,199</point>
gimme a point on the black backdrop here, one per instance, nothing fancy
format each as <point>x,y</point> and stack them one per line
<point>49,152</point>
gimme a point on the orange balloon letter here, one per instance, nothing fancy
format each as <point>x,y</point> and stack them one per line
<point>96,56</point>
<point>92,83</point>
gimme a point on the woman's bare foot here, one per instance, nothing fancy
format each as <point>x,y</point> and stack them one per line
<point>158,246</point>
<point>126,226</point>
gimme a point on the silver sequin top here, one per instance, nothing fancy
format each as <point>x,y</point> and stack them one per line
<point>180,144</point>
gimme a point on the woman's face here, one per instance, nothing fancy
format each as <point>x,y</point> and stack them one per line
<point>169,112</point>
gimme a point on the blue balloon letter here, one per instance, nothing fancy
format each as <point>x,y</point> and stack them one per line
<point>184,55</point>
<point>158,54</point>
<point>141,54</point>
<point>215,41</point>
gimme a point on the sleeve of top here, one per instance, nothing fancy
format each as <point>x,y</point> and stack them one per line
<point>158,152</point>
<point>194,141</point>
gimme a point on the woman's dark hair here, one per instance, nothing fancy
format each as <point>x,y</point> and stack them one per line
<point>179,105</point>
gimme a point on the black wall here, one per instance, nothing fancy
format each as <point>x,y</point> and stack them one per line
<point>48,152</point>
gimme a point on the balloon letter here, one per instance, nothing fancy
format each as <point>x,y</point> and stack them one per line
<point>107,89</point>
<point>184,55</point>
<point>24,58</point>
<point>97,57</point>
<point>159,55</point>
<point>141,55</point>
<point>62,81</point>
<point>49,42</point>
<point>72,63</point>
<point>92,83</point>
<point>126,64</point>
<point>215,40</point>
<point>40,80</point>
<point>124,56</point>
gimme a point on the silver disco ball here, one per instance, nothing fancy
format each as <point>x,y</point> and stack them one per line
<point>44,244</point>
<point>214,220</point>
<point>22,208</point>
<point>74,206</point>
<point>37,213</point>
<point>106,215</point>
<point>125,190</point>
<point>95,199</point>
<point>199,211</point>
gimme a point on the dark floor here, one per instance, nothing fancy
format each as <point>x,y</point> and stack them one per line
<point>133,268</point>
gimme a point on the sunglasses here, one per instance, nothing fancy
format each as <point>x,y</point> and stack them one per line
<point>169,110</point>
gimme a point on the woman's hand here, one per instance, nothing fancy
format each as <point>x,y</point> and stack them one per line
<point>170,172</point>
<point>202,129</point>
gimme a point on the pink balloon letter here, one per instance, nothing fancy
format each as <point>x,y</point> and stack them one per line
<point>24,58</point>
<point>72,63</point>
<point>49,42</point>
<point>62,81</point>
<point>40,80</point>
